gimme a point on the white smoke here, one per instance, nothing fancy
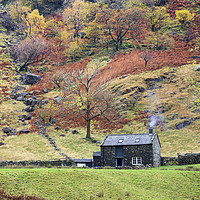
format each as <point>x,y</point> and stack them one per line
<point>153,121</point>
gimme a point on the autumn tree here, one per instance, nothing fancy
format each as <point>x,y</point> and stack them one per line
<point>159,40</point>
<point>94,31</point>
<point>75,17</point>
<point>147,56</point>
<point>52,28</point>
<point>157,18</point>
<point>29,22</point>
<point>184,16</point>
<point>29,51</point>
<point>118,24</point>
<point>85,98</point>
<point>34,22</point>
<point>58,78</point>
<point>17,10</point>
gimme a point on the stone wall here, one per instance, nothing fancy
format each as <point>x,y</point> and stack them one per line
<point>38,163</point>
<point>189,158</point>
<point>186,159</point>
<point>169,161</point>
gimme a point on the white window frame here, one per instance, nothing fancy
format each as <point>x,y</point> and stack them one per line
<point>136,160</point>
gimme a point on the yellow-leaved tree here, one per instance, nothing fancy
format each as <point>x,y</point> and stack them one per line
<point>184,16</point>
<point>17,10</point>
<point>94,31</point>
<point>52,27</point>
<point>35,22</point>
<point>157,18</point>
<point>75,50</point>
<point>75,17</point>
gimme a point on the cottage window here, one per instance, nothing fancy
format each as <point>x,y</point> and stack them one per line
<point>137,140</point>
<point>119,151</point>
<point>136,160</point>
<point>120,140</point>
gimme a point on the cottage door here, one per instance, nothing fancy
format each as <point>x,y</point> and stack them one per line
<point>119,162</point>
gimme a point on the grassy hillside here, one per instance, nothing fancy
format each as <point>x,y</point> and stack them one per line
<point>159,90</point>
<point>102,184</point>
<point>169,100</point>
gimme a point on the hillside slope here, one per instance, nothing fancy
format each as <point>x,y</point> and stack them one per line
<point>161,90</point>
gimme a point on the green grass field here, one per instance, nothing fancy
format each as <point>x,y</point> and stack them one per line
<point>63,184</point>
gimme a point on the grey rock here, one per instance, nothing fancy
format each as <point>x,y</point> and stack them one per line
<point>57,128</point>
<point>45,90</point>
<point>57,99</point>
<point>29,109</point>
<point>48,124</point>
<point>23,94</point>
<point>30,79</point>
<point>20,98</point>
<point>28,116</point>
<point>74,132</point>
<point>14,132</point>
<point>45,101</point>
<point>140,89</point>
<point>62,135</point>
<point>24,131</point>
<point>197,68</point>
<point>1,143</point>
<point>90,53</point>
<point>53,121</point>
<point>183,124</point>
<point>124,76</point>
<point>7,130</point>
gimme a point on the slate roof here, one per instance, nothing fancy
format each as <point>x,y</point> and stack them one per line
<point>127,139</point>
<point>97,153</point>
<point>82,160</point>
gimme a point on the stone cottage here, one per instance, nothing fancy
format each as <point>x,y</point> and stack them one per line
<point>129,150</point>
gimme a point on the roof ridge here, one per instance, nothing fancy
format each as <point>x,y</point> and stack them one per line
<point>130,134</point>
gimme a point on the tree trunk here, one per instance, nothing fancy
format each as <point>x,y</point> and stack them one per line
<point>88,129</point>
<point>145,64</point>
<point>23,68</point>
<point>117,46</point>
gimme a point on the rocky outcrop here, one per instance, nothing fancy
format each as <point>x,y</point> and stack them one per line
<point>30,79</point>
<point>24,131</point>
<point>183,124</point>
<point>7,130</point>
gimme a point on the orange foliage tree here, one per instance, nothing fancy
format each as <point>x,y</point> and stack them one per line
<point>117,25</point>
<point>85,98</point>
